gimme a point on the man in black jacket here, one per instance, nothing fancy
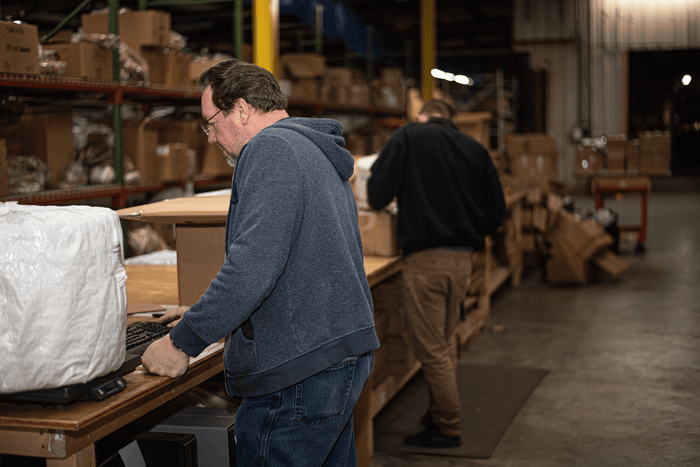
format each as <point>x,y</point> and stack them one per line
<point>449,199</point>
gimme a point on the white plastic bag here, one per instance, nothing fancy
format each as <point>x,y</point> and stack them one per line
<point>62,295</point>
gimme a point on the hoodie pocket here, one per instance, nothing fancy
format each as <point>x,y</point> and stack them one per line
<point>241,356</point>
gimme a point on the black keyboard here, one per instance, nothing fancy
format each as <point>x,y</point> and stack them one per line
<point>142,332</point>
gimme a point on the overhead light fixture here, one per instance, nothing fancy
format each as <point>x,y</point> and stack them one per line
<point>686,80</point>
<point>461,79</point>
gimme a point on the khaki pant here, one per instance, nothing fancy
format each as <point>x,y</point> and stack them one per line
<point>435,284</point>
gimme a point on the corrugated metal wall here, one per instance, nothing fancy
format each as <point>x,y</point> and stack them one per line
<point>547,30</point>
<point>583,45</point>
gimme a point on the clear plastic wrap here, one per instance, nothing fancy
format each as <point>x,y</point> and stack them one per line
<point>26,174</point>
<point>62,295</point>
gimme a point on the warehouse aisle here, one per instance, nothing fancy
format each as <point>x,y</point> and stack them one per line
<point>623,354</point>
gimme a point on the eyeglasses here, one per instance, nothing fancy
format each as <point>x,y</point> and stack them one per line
<point>206,126</point>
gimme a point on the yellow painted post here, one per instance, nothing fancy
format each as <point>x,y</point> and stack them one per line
<point>264,32</point>
<point>428,46</point>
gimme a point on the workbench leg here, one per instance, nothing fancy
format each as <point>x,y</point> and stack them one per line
<point>363,426</point>
<point>82,458</point>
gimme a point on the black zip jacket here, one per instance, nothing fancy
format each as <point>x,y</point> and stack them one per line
<point>449,195</point>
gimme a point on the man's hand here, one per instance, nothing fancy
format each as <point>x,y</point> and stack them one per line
<point>172,316</point>
<point>163,359</point>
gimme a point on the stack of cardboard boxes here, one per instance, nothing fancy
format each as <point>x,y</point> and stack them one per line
<point>148,33</point>
<point>648,154</point>
<point>169,149</point>
<point>655,152</point>
<point>574,250</point>
<point>533,158</point>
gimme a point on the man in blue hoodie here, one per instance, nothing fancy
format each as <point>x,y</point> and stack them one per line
<point>292,297</point>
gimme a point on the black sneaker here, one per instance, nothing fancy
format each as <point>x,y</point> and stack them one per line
<point>432,438</point>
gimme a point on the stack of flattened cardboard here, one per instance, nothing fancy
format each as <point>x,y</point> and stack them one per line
<point>574,249</point>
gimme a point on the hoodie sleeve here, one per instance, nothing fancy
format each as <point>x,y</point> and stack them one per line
<point>387,172</point>
<point>262,230</point>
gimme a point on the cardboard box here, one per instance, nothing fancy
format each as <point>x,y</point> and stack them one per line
<point>655,141</point>
<point>84,60</point>
<point>475,124</point>
<point>44,132</point>
<point>167,67</point>
<point>568,270</point>
<point>214,163</point>
<point>304,71</point>
<point>175,162</point>
<point>139,143</point>
<point>532,143</point>
<point>632,156</point>
<point>294,66</point>
<point>199,67</point>
<point>19,44</point>
<point>537,169</point>
<point>339,75</point>
<point>576,239</point>
<point>4,184</point>
<point>588,160</point>
<point>136,28</point>
<point>200,226</point>
<point>378,230</point>
<point>610,262</point>
<point>615,152</point>
<point>653,162</point>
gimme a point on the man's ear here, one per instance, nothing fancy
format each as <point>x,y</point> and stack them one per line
<point>242,110</point>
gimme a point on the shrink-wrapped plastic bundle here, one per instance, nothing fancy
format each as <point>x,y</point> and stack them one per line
<point>62,295</point>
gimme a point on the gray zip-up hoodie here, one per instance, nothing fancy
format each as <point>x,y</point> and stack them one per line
<point>292,296</point>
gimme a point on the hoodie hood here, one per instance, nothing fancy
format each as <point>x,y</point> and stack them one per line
<point>326,134</point>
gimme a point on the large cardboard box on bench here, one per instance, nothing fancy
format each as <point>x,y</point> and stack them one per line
<point>200,227</point>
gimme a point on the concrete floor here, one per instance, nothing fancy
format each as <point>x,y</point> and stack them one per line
<point>623,354</point>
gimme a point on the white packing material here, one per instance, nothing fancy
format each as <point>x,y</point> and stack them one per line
<point>62,295</point>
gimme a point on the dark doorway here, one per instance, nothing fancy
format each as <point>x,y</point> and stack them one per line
<point>658,100</point>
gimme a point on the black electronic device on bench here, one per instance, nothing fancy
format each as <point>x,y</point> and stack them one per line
<point>139,336</point>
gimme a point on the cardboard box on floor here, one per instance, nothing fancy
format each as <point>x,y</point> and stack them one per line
<point>200,228</point>
<point>574,246</point>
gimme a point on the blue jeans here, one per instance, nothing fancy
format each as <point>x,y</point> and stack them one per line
<point>307,424</point>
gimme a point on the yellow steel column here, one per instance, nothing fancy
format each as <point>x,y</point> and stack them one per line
<point>428,46</point>
<point>265,33</point>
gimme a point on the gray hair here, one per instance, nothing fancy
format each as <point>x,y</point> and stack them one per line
<point>235,79</point>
